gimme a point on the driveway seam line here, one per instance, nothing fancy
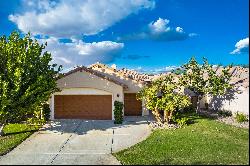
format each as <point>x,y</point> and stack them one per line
<point>112,141</point>
<point>53,159</point>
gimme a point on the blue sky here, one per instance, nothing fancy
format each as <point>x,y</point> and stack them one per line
<point>150,35</point>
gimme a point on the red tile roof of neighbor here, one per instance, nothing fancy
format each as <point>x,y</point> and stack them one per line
<point>240,75</point>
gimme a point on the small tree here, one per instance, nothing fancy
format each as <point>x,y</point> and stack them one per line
<point>165,95</point>
<point>203,80</point>
<point>27,78</point>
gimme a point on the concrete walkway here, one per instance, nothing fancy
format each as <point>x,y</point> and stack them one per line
<point>78,142</point>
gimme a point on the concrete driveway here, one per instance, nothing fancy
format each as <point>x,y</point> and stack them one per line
<point>78,142</point>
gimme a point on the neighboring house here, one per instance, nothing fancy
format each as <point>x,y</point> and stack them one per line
<point>90,94</point>
<point>236,100</point>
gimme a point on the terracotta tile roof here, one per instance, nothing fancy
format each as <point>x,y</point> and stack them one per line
<point>240,75</point>
<point>83,68</point>
<point>122,73</point>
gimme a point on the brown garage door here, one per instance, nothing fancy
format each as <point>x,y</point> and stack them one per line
<point>132,107</point>
<point>83,107</point>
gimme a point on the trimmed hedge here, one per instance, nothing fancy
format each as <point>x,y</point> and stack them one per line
<point>118,112</point>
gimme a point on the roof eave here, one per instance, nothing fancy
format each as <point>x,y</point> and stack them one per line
<point>83,68</point>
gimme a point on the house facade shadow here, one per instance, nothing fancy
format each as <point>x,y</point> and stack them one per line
<point>217,103</point>
<point>81,127</point>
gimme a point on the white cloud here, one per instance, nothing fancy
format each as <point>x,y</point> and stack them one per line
<point>159,26</point>
<point>160,30</point>
<point>179,29</point>
<point>113,66</point>
<point>80,53</point>
<point>156,70</point>
<point>62,59</point>
<point>241,46</point>
<point>72,18</point>
<point>164,69</point>
<point>192,34</point>
<point>170,68</point>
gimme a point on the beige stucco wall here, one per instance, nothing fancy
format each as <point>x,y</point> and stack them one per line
<point>82,91</point>
<point>133,86</point>
<point>239,102</point>
<point>87,80</point>
<point>203,101</point>
<point>87,83</point>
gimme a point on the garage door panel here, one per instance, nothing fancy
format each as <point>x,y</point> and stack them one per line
<point>83,107</point>
<point>132,106</point>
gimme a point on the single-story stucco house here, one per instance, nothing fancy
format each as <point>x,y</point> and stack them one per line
<point>90,92</point>
<point>87,93</point>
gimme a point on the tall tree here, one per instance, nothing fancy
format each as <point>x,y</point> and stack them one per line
<point>203,80</point>
<point>27,77</point>
<point>165,95</point>
<point>200,79</point>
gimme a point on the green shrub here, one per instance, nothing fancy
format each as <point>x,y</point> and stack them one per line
<point>224,113</point>
<point>240,117</point>
<point>183,121</point>
<point>46,111</point>
<point>36,121</point>
<point>118,114</point>
<point>189,109</point>
<point>175,116</point>
<point>40,114</point>
<point>181,118</point>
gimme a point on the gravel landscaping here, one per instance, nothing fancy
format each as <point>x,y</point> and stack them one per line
<point>231,120</point>
<point>227,120</point>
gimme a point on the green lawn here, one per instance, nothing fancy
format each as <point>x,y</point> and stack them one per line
<point>14,135</point>
<point>204,142</point>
